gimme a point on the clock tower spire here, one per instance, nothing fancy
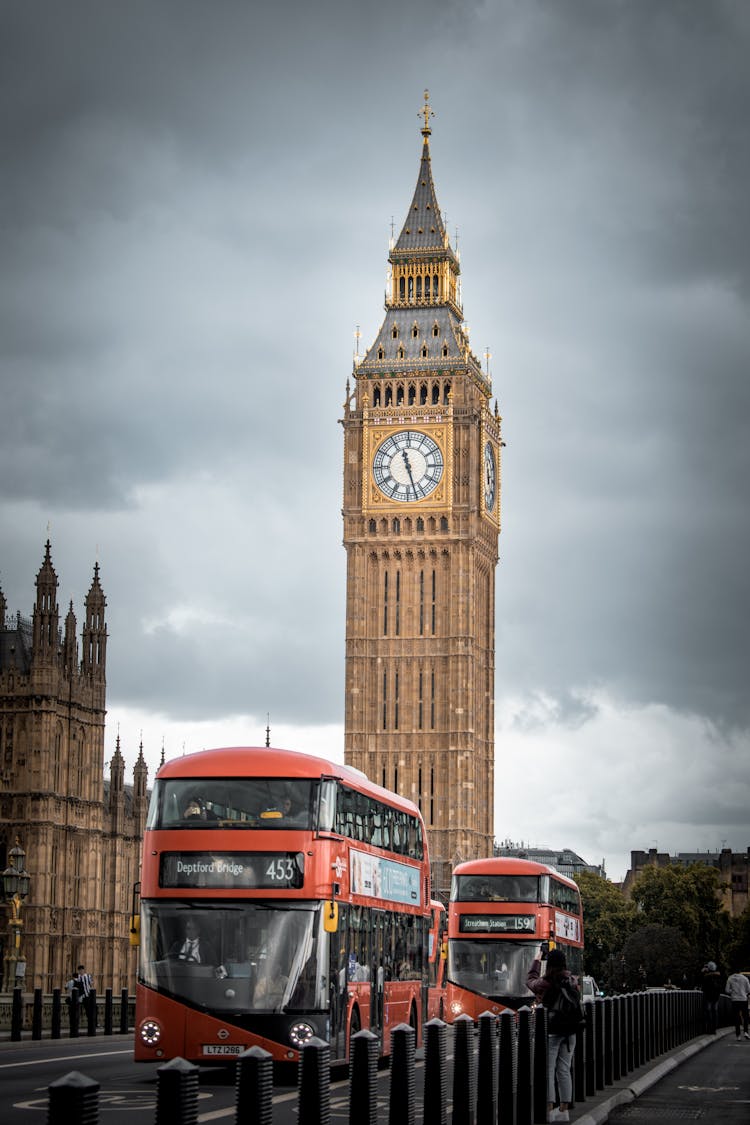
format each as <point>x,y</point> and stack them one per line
<point>421,524</point>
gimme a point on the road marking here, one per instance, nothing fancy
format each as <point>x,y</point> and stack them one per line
<point>63,1058</point>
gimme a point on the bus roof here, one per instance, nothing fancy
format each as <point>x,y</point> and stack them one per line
<point>270,761</point>
<point>508,865</point>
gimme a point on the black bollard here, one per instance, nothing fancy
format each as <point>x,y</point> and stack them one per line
<point>487,1070</point>
<point>314,1088</point>
<point>435,1105</point>
<point>608,1002</point>
<point>90,1005</point>
<point>598,1037</point>
<point>402,1098</point>
<point>579,1064</point>
<point>539,1075</point>
<point>74,1013</point>
<point>36,1016</point>
<point>177,1093</point>
<point>124,1012</point>
<point>589,1047</point>
<point>616,1033</point>
<point>464,1072</point>
<point>108,1011</point>
<point>74,1097</point>
<point>506,1069</point>
<point>524,1104</point>
<point>363,1077</point>
<point>16,1015</point>
<point>254,1086</point>
<point>56,1014</point>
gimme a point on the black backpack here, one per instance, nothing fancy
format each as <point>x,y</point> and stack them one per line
<point>566,1014</point>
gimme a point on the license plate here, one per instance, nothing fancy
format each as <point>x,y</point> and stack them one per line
<point>223,1048</point>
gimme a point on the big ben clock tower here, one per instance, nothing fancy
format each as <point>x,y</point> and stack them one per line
<point>421,524</point>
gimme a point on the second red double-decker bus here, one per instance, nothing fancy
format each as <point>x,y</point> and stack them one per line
<point>500,911</point>
<point>282,896</point>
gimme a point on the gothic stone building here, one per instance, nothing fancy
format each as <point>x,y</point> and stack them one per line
<point>421,523</point>
<point>81,834</point>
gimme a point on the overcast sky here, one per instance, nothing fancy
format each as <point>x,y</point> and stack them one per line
<point>195,205</point>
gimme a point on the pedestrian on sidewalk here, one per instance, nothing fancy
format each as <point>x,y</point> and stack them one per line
<point>557,983</point>
<point>737,989</point>
<point>711,989</point>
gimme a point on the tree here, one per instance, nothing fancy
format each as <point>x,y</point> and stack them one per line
<point>687,898</point>
<point>655,955</point>
<point>608,918</point>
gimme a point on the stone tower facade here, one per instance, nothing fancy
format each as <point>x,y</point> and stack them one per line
<point>421,512</point>
<point>81,834</point>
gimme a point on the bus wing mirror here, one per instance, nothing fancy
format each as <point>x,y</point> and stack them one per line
<point>330,917</point>
<point>135,929</point>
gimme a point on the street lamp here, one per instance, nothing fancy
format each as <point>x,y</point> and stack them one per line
<point>16,882</point>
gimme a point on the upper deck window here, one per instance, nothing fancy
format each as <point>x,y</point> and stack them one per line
<point>495,888</point>
<point>236,802</point>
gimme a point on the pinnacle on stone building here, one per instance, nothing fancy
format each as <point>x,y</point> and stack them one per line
<point>421,512</point>
<point>81,834</point>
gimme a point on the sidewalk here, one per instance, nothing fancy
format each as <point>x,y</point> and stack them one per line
<point>679,1081</point>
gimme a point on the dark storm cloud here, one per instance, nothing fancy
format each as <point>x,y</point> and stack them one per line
<point>194,211</point>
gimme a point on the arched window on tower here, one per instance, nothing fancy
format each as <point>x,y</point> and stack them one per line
<point>419,288</point>
<point>394,330</point>
<point>411,288</point>
<point>372,527</point>
<point>443,523</point>
<point>400,395</point>
<point>435,285</point>
<point>376,396</point>
<point>424,351</point>
<point>435,329</point>
<point>415,330</point>
<point>435,394</point>
<point>396,526</point>
<point>420,523</point>
<point>427,286</point>
<point>401,352</point>
<point>446,393</point>
<point>412,394</point>
<point>401,293</point>
<point>445,349</point>
<point>423,394</point>
<point>381,353</point>
<point>389,396</point>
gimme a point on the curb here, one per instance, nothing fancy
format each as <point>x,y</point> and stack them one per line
<point>600,1113</point>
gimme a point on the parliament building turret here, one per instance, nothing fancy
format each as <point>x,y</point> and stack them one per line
<point>81,831</point>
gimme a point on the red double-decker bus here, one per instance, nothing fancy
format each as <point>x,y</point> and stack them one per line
<point>499,913</point>
<point>282,896</point>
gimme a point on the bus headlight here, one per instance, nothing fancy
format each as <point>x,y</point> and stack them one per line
<point>300,1033</point>
<point>150,1033</point>
<point>457,1007</point>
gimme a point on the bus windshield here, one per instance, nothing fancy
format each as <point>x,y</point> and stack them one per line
<point>495,888</point>
<point>236,958</point>
<point>495,969</point>
<point>234,802</point>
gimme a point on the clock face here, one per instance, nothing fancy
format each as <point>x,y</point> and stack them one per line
<point>489,477</point>
<point>408,465</point>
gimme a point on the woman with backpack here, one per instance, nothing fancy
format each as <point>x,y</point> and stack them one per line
<point>557,991</point>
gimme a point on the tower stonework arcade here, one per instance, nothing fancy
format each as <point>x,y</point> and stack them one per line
<point>422,447</point>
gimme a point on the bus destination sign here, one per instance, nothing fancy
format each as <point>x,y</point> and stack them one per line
<point>497,924</point>
<point>233,870</point>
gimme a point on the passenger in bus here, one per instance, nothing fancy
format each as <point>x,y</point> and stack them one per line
<point>196,809</point>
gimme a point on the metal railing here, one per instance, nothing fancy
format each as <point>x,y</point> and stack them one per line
<point>48,1015</point>
<point>499,1076</point>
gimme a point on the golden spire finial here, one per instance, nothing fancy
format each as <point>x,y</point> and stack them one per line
<point>427,112</point>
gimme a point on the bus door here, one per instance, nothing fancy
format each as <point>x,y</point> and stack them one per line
<point>379,973</point>
<point>337,986</point>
